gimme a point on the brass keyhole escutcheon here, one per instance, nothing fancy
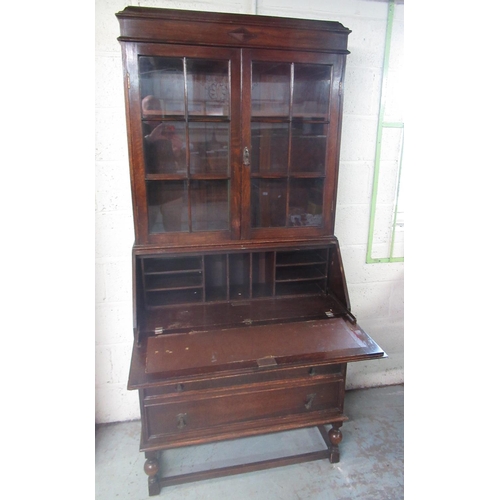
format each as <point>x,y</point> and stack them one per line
<point>246,157</point>
<point>309,401</point>
<point>181,420</point>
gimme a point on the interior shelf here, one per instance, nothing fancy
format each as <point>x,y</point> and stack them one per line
<point>177,280</point>
<point>181,117</point>
<point>293,258</point>
<point>171,264</point>
<point>300,273</point>
<point>300,288</point>
<point>174,297</point>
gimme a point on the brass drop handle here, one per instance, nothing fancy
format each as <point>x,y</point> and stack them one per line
<point>309,401</point>
<point>246,157</point>
<point>181,420</point>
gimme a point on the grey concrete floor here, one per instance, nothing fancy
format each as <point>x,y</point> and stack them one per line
<point>370,467</point>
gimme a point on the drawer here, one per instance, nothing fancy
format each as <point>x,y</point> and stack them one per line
<point>180,386</point>
<point>223,408</point>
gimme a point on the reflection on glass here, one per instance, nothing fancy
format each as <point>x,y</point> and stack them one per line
<point>161,81</point>
<point>268,202</point>
<point>308,147</point>
<point>269,147</point>
<point>311,90</point>
<point>270,89</point>
<point>209,148</point>
<point>209,205</point>
<point>164,147</point>
<point>207,87</point>
<point>167,206</point>
<point>306,202</point>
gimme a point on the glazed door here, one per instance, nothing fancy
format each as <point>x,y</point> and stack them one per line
<point>232,144</point>
<point>291,112</point>
<point>184,106</point>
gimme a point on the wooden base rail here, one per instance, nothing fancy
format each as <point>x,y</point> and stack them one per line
<point>332,439</point>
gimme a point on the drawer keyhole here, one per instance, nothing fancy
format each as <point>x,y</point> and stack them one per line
<point>309,401</point>
<point>181,420</point>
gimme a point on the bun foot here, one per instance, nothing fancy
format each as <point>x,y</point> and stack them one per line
<point>335,437</point>
<point>151,468</point>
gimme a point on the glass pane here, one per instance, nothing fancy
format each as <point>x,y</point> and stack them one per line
<point>308,147</point>
<point>269,147</point>
<point>210,205</point>
<point>306,202</point>
<point>162,86</point>
<point>209,148</point>
<point>269,202</point>
<point>270,89</point>
<point>167,206</point>
<point>311,91</point>
<point>208,87</point>
<point>164,147</point>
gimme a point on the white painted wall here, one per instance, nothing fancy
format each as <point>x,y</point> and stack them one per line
<point>376,290</point>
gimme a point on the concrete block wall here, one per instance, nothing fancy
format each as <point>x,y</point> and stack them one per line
<point>376,290</point>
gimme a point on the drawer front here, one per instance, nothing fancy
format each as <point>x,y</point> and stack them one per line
<point>232,407</point>
<point>269,375</point>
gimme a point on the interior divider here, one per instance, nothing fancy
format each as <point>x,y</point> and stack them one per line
<point>203,279</point>
<point>250,275</point>
<point>143,279</point>
<point>274,275</point>
<point>228,293</point>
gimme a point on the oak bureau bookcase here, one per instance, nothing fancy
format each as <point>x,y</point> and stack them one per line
<point>242,322</point>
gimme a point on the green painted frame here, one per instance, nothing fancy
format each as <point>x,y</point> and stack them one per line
<point>382,124</point>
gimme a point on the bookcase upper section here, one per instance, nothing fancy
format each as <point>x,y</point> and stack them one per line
<point>234,125</point>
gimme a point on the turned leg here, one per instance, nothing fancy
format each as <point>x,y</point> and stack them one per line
<point>335,437</point>
<point>151,468</point>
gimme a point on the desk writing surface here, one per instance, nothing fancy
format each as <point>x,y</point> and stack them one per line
<point>317,340</point>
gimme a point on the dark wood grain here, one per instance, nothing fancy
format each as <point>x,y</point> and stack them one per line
<point>241,314</point>
<point>209,28</point>
<point>320,340</point>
